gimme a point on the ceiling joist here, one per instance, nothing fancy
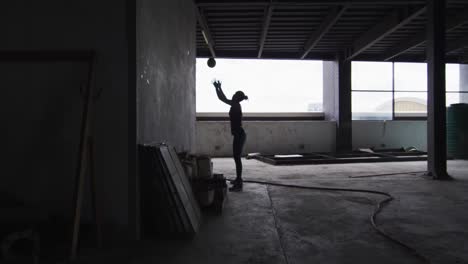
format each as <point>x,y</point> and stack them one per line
<point>405,45</point>
<point>206,32</point>
<point>313,29</point>
<point>464,58</point>
<point>260,3</point>
<point>392,22</point>
<point>457,45</point>
<point>266,25</point>
<point>327,23</point>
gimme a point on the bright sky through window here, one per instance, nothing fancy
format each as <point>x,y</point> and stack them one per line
<point>297,86</point>
<point>271,85</point>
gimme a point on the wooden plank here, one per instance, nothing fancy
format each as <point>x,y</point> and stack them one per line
<point>151,184</point>
<point>166,202</point>
<point>184,196</point>
<point>82,165</point>
<point>187,187</point>
<point>95,202</point>
<point>179,213</point>
<point>185,182</point>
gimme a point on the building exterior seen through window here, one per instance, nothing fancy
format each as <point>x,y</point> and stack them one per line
<point>386,90</point>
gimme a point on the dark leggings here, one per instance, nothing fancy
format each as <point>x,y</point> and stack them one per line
<point>237,146</point>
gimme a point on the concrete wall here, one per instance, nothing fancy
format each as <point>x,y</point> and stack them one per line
<point>166,72</point>
<point>330,90</point>
<point>268,137</point>
<point>41,104</point>
<point>214,138</point>
<point>390,134</point>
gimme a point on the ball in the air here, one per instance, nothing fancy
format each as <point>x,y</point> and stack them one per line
<point>211,62</point>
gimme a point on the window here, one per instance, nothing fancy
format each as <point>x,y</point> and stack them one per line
<point>384,90</point>
<point>371,84</point>
<point>273,86</point>
<point>457,84</point>
<point>410,98</point>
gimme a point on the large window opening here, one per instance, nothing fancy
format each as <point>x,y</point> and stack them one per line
<point>273,86</point>
<point>392,91</point>
<point>410,86</point>
<point>371,85</point>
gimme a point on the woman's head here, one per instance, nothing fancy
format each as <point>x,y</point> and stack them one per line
<point>239,96</point>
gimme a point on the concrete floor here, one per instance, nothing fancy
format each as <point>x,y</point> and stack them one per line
<point>293,226</point>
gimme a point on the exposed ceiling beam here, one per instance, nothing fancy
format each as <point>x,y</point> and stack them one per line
<point>327,23</point>
<point>389,24</point>
<point>266,25</point>
<point>456,44</point>
<point>248,54</point>
<point>306,2</point>
<point>206,32</point>
<point>452,22</point>
<point>464,58</point>
<point>404,46</point>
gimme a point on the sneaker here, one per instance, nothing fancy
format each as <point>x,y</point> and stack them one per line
<point>235,181</point>
<point>236,187</point>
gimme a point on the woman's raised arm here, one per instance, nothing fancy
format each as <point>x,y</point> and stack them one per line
<point>220,94</point>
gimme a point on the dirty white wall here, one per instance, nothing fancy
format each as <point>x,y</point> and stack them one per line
<point>166,72</point>
<point>268,137</point>
<point>390,134</point>
<point>273,137</point>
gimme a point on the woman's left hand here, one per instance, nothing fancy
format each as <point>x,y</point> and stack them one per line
<point>217,84</point>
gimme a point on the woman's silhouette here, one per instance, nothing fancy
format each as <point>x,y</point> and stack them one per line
<point>235,116</point>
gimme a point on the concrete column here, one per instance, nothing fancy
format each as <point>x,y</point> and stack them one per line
<point>464,83</point>
<point>337,100</point>
<point>330,88</point>
<point>436,110</point>
<point>165,81</point>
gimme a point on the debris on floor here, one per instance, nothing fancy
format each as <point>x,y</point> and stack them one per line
<point>217,189</point>
<point>209,188</point>
<point>289,156</point>
<point>253,155</point>
<point>357,156</point>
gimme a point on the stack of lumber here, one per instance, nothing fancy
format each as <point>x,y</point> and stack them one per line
<point>168,205</point>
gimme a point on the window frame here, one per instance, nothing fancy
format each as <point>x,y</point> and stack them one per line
<point>267,116</point>
<point>406,116</point>
<point>263,116</point>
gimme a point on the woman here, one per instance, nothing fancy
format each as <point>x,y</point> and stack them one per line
<point>235,116</point>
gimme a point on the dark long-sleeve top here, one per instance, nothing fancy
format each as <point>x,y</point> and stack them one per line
<point>235,113</point>
<point>235,116</point>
